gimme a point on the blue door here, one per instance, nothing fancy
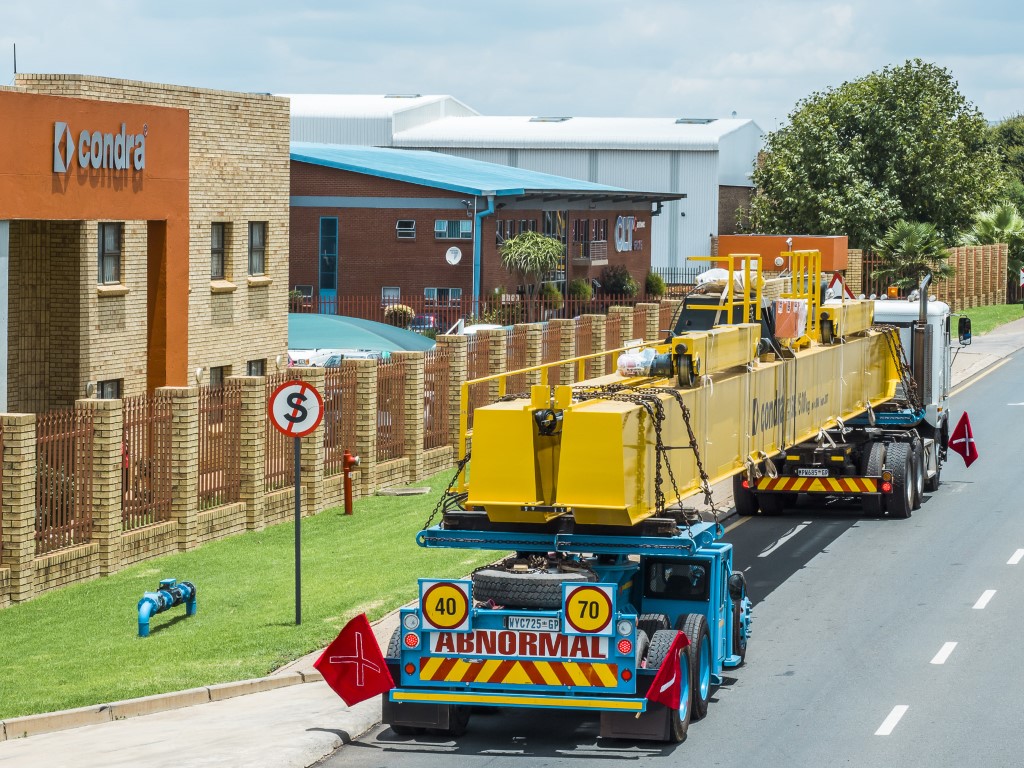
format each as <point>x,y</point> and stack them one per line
<point>328,289</point>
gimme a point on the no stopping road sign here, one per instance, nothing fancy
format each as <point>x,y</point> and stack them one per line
<point>296,408</point>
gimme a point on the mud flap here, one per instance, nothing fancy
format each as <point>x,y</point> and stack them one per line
<point>652,725</point>
<point>415,715</point>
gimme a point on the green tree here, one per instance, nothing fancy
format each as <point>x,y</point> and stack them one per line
<point>902,143</point>
<point>531,255</point>
<point>908,251</point>
<point>1000,224</point>
<point>1008,139</point>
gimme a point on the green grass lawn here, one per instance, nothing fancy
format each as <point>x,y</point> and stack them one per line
<point>79,646</point>
<point>984,319</point>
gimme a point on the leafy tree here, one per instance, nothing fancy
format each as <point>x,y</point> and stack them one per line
<point>902,143</point>
<point>1000,224</point>
<point>580,289</point>
<point>908,251</point>
<point>617,281</point>
<point>531,255</point>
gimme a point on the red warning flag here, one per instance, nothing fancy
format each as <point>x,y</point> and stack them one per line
<point>666,688</point>
<point>353,664</point>
<point>962,440</point>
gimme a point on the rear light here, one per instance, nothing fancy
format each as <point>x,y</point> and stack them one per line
<point>627,675</point>
<point>886,487</point>
<point>887,476</point>
<point>410,668</point>
<point>411,640</point>
<point>625,646</point>
<point>746,484</point>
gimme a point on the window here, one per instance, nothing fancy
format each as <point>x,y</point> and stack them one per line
<point>453,229</point>
<point>218,374</point>
<point>391,294</point>
<point>442,295</point>
<point>218,236</point>
<point>328,254</point>
<point>406,229</point>
<point>257,247</point>
<point>256,368</point>
<point>111,237</point>
<point>677,580</point>
<point>601,229</point>
<point>109,389</point>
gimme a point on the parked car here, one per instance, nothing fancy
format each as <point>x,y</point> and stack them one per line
<point>421,323</point>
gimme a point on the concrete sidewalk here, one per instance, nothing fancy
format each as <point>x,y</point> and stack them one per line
<point>290,726</point>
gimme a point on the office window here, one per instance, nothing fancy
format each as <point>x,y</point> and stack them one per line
<point>406,229</point>
<point>390,294</point>
<point>328,253</point>
<point>109,389</point>
<point>218,237</point>
<point>256,368</point>
<point>257,247</point>
<point>111,238</point>
<point>453,229</point>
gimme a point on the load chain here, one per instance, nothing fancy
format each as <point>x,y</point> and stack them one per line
<point>449,500</point>
<point>899,357</point>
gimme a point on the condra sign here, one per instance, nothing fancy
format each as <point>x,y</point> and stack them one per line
<point>94,149</point>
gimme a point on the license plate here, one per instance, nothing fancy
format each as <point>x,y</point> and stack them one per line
<point>811,472</point>
<point>534,623</point>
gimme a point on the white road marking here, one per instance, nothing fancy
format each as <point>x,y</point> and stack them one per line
<point>890,722</point>
<point>785,538</point>
<point>1017,557</point>
<point>983,600</point>
<point>943,654</point>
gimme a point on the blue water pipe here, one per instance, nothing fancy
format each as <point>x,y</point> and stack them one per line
<point>167,595</point>
<point>478,216</point>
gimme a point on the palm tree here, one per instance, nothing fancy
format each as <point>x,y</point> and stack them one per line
<point>1001,224</point>
<point>908,251</point>
<point>532,255</point>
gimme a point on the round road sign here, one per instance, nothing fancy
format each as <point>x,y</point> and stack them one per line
<point>588,609</point>
<point>296,408</point>
<point>445,606</point>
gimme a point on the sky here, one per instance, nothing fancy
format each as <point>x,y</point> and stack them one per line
<point>608,58</point>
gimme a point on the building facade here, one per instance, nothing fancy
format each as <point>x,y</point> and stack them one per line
<point>143,237</point>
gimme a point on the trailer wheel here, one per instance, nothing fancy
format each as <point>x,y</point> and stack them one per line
<point>874,458</point>
<point>394,644</point>
<point>649,623</point>
<point>458,721</point>
<point>699,650</point>
<point>679,720</point>
<point>771,503</point>
<point>931,484</point>
<point>539,589</point>
<point>643,645</point>
<point>738,593</point>
<point>917,468</point>
<point>901,503</point>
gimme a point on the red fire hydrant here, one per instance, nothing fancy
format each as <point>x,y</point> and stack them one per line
<point>347,462</point>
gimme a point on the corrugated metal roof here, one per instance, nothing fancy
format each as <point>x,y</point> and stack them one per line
<point>438,170</point>
<point>575,132</point>
<point>362,104</point>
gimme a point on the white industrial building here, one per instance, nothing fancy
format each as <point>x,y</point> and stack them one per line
<point>709,161</point>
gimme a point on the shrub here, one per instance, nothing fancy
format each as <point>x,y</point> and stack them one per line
<point>551,296</point>
<point>616,280</point>
<point>654,285</point>
<point>580,289</point>
<point>399,315</point>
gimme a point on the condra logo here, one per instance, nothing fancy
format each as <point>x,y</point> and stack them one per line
<point>112,151</point>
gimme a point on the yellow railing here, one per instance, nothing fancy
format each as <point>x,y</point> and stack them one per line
<point>746,264</point>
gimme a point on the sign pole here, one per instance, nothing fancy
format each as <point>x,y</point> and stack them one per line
<point>298,532</point>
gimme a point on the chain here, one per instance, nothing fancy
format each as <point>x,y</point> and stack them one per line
<point>899,357</point>
<point>448,499</point>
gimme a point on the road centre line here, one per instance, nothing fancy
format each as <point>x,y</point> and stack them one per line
<point>979,377</point>
<point>1017,557</point>
<point>983,600</point>
<point>943,654</point>
<point>785,538</point>
<point>890,722</point>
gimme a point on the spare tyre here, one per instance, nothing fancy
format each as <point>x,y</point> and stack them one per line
<point>540,588</point>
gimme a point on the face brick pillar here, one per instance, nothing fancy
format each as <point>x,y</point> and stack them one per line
<point>650,332</point>
<point>413,416</point>
<point>107,446</point>
<point>366,423</point>
<point>184,461</point>
<point>311,450</point>
<point>597,366</point>
<point>496,350</point>
<point>456,346</point>
<point>252,446</point>
<point>564,374</point>
<point>18,514</point>
<point>534,350</point>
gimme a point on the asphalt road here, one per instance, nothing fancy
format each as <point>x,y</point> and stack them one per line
<point>876,642</point>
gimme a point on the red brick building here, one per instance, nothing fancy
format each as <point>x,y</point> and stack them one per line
<point>392,223</point>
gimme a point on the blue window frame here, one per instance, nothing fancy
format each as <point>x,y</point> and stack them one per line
<point>328,253</point>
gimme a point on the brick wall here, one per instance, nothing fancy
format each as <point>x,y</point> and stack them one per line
<point>732,200</point>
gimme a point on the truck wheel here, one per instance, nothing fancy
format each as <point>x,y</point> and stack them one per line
<point>738,593</point>
<point>695,626</point>
<point>771,503</point>
<point>643,645</point>
<point>650,623</point>
<point>679,720</point>
<point>539,589</point>
<point>931,484</point>
<point>743,498</point>
<point>917,468</point>
<point>901,502</point>
<point>458,721</point>
<point>873,460</point>
<point>394,644</point>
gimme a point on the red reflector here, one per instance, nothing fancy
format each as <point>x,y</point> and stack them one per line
<point>746,484</point>
<point>411,640</point>
<point>627,675</point>
<point>625,646</point>
<point>410,668</point>
<point>886,487</point>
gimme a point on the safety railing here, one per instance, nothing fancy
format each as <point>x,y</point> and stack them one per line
<point>339,417</point>
<point>64,469</point>
<point>220,470</point>
<point>390,409</point>
<point>279,453</point>
<point>145,461</point>
<point>516,345</point>
<point>436,382</point>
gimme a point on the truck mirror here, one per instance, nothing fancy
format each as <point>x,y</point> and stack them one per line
<point>963,330</point>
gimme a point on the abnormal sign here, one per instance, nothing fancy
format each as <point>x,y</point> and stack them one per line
<point>296,408</point>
